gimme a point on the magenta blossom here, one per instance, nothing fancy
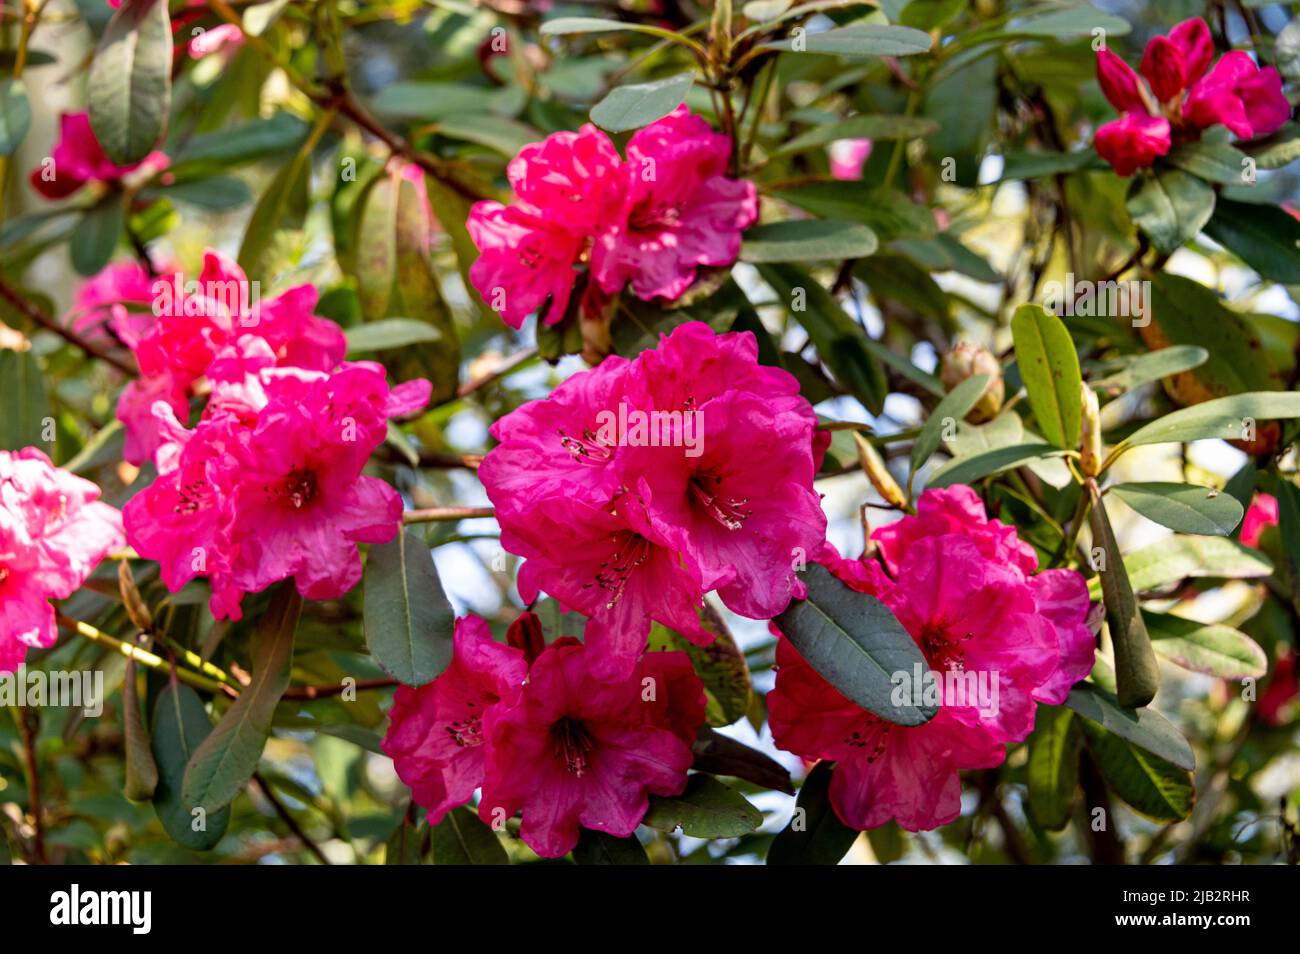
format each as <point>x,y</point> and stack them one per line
<point>437,732</point>
<point>849,157</point>
<point>650,221</point>
<point>575,750</point>
<point>1179,99</point>
<point>117,298</point>
<point>78,158</point>
<point>53,532</point>
<point>1260,515</point>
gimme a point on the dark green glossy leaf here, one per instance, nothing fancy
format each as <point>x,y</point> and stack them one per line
<point>706,809</point>
<point>408,621</point>
<point>815,835</point>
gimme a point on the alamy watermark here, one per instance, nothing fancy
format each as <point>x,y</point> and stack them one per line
<point>968,688</point>
<point>632,427</point>
<point>177,297</point>
<point>36,688</point>
<point>1107,299</point>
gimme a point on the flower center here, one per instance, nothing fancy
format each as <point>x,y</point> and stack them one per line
<point>942,652</point>
<point>589,449</point>
<point>300,487</point>
<point>466,732</point>
<point>573,744</point>
<point>647,218</point>
<point>731,512</point>
<point>872,737</point>
<point>630,551</point>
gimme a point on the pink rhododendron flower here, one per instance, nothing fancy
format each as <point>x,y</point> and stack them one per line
<point>574,750</point>
<point>53,532</point>
<point>227,37</point>
<point>105,299</point>
<point>1282,688</point>
<point>201,319</point>
<point>437,732</point>
<point>627,526</point>
<point>1260,515</point>
<point>848,157</point>
<point>269,485</point>
<point>960,584</point>
<point>1180,99</point>
<point>78,158</point>
<point>650,221</point>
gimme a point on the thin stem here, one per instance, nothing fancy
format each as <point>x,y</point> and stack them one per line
<point>37,316</point>
<point>142,656</point>
<point>289,821</point>
<point>441,514</point>
<point>29,727</point>
<point>324,692</point>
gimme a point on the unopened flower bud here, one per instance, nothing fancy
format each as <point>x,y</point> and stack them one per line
<point>873,465</point>
<point>1090,460</point>
<point>967,360</point>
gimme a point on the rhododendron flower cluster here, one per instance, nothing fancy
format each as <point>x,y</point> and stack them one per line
<point>53,532</point>
<point>542,734</point>
<point>201,330</point>
<point>268,485</point>
<point>78,158</point>
<point>626,526</point>
<point>964,587</point>
<point>648,222</point>
<point>1183,96</point>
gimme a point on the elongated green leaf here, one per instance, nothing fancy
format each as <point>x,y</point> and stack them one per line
<point>598,848</point>
<point>26,406</point>
<point>969,467</point>
<point>858,40</point>
<point>840,341</point>
<point>1211,161</point>
<point>1226,418</point>
<point>1171,207</point>
<point>228,757</point>
<point>1278,150</point>
<point>275,135</point>
<point>1137,673</point>
<point>405,845</point>
<point>129,90</point>
<point>856,644</point>
<point>887,212</point>
<point>1053,767</point>
<point>1049,366</point>
<point>388,333</point>
<point>141,769</point>
<point>1205,647</point>
<point>872,127</point>
<point>180,725</point>
<point>1288,514</point>
<point>1178,558</point>
<point>496,132</point>
<point>706,809</point>
<point>376,259</point>
<point>1145,728</point>
<point>96,235</point>
<point>631,107</point>
<point>1156,788</point>
<point>462,838</point>
<point>944,253</point>
<point>1035,165</point>
<point>1153,366</point>
<point>408,621</point>
<point>1264,236</point>
<point>815,835</point>
<point>948,412</point>
<point>1183,507</point>
<point>15,115</point>
<point>283,205</point>
<point>808,240</point>
<point>1064,22</point>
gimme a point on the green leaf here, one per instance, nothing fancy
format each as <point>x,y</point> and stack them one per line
<point>276,135</point>
<point>141,770</point>
<point>1035,165</point>
<point>388,333</point>
<point>1205,647</point>
<point>1288,512</point>
<point>404,845</point>
<point>929,14</point>
<point>1053,767</point>
<point>1145,728</point>
<point>180,725</point>
<point>840,341</point>
<point>105,446</point>
<point>705,809</point>
<point>216,193</point>
<point>462,838</point>
<point>856,644</point>
<point>1278,150</point>
<point>954,407</point>
<point>1186,508</point>
<point>1143,368</point>
<point>1156,788</point>
<point>1211,161</point>
<point>496,132</point>
<point>1225,418</point>
<point>228,757</point>
<point>96,235</point>
<point>26,406</point>
<point>1264,236</point>
<point>283,205</point>
<point>944,253</point>
<point>1137,673</point>
<point>15,115</point>
<point>887,212</point>
<point>719,754</point>
<point>720,665</point>
<point>1171,207</point>
<point>807,240</point>
<point>408,621</point>
<point>631,107</point>
<point>970,467</point>
<point>598,848</point>
<point>129,89</point>
<point>815,835</point>
<point>376,245</point>
<point>1177,558</point>
<point>874,127</point>
<point>1066,22</point>
<point>857,40</point>
<point>1049,366</point>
